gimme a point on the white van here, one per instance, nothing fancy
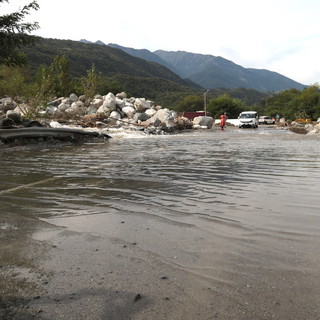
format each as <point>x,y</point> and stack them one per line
<point>248,119</point>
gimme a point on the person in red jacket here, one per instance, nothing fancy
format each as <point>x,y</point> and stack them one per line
<point>223,120</point>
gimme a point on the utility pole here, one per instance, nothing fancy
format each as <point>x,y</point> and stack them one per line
<point>205,102</point>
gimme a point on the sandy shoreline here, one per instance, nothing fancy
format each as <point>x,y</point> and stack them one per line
<point>66,270</point>
<point>78,275</point>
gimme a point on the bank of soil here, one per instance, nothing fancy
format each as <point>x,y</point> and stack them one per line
<point>21,279</point>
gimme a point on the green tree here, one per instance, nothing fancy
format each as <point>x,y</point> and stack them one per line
<point>63,85</point>
<point>45,83</point>
<point>14,34</point>
<point>190,103</point>
<point>225,103</point>
<point>92,83</point>
<point>54,79</point>
<point>308,102</point>
<point>12,81</point>
<point>293,104</point>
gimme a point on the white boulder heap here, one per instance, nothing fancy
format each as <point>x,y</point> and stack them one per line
<point>125,111</point>
<point>138,111</point>
<point>314,129</point>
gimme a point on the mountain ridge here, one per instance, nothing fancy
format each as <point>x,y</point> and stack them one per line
<point>109,61</point>
<point>211,71</point>
<point>136,76</point>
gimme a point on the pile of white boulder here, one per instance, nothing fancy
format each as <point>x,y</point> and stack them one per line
<point>309,128</point>
<point>123,110</point>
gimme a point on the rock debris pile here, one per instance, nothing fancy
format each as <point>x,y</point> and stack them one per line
<point>119,110</point>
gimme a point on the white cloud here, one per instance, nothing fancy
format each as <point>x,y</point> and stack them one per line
<point>278,35</point>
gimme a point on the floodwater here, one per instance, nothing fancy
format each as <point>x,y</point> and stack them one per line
<point>200,225</point>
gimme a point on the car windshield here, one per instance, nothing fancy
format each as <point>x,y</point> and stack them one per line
<point>247,115</point>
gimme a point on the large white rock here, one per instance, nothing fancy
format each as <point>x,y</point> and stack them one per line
<point>67,101</point>
<point>63,107</point>
<point>77,108</point>
<point>203,122</point>
<point>73,97</point>
<point>315,130</point>
<point>121,95</point>
<point>52,109</point>
<point>83,98</point>
<point>92,109</point>
<point>96,102</point>
<point>120,103</point>
<point>142,104</point>
<point>150,112</point>
<point>103,109</point>
<point>162,117</point>
<point>7,104</point>
<point>109,102</point>
<point>55,124</point>
<point>309,127</point>
<point>129,111</point>
<point>115,115</point>
<point>77,104</point>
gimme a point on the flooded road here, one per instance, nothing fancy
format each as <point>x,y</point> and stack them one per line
<point>201,225</point>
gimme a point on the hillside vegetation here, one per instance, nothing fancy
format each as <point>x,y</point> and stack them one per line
<point>136,76</point>
<point>120,71</point>
<point>60,67</point>
<point>109,61</point>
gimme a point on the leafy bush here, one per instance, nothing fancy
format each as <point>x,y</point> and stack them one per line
<point>12,81</point>
<point>225,103</point>
<point>190,103</point>
<point>293,104</point>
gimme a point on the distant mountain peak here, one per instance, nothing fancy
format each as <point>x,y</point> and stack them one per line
<point>210,71</point>
<point>144,54</point>
<point>97,42</point>
<point>85,41</point>
<point>100,43</point>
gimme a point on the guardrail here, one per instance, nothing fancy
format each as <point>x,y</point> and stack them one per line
<point>38,132</point>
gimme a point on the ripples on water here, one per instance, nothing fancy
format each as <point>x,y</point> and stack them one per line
<point>230,174</point>
<point>210,171</point>
<point>226,203</point>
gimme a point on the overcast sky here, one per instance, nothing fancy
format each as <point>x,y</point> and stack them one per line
<point>277,35</point>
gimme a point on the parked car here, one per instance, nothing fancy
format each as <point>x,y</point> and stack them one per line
<point>248,119</point>
<point>266,120</point>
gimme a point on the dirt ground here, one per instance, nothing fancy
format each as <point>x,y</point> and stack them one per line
<point>76,275</point>
<point>65,270</point>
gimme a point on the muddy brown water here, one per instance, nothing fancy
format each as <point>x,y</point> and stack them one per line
<point>200,225</point>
